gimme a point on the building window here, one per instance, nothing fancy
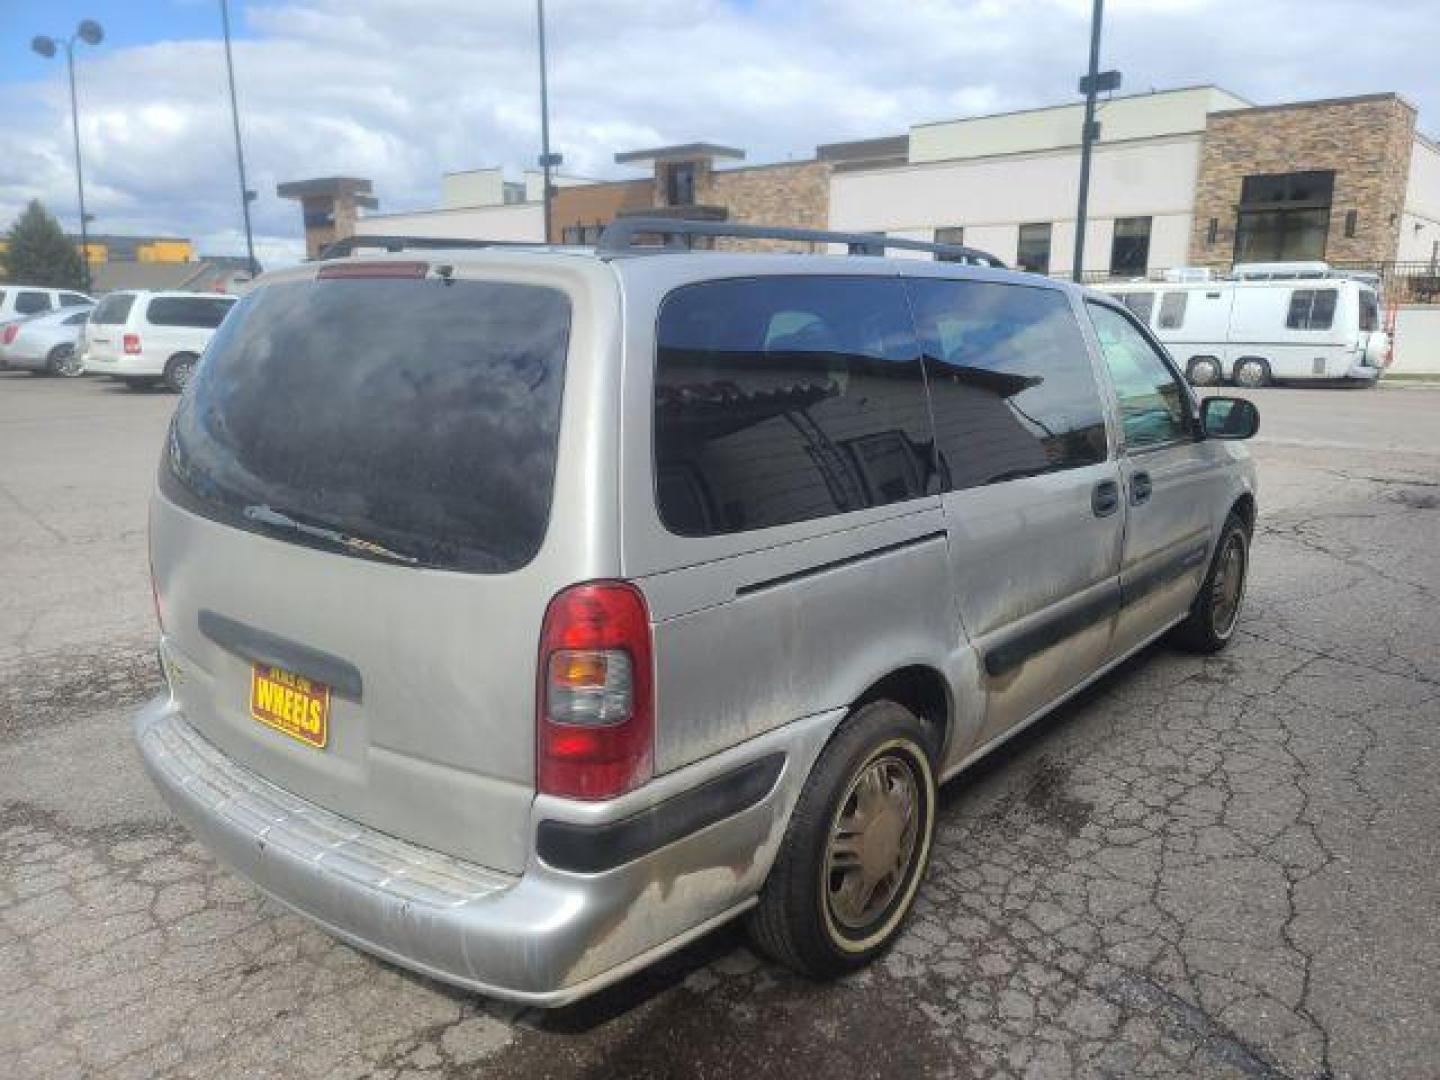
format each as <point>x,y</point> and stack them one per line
<point>571,234</point>
<point>950,234</point>
<point>680,184</point>
<point>1283,216</point>
<point>1212,231</point>
<point>1352,218</point>
<point>1311,309</point>
<point>1033,252</point>
<point>1130,248</point>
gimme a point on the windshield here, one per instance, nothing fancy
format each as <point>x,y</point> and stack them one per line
<point>413,420</point>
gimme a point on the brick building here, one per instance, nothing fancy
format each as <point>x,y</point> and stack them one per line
<point>1195,176</point>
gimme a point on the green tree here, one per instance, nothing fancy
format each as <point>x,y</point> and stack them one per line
<point>39,253</point>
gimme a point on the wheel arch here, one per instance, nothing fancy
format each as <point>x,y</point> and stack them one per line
<point>924,691</point>
<point>1245,509</point>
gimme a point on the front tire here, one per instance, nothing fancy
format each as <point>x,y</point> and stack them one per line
<point>856,849</point>
<point>1211,622</point>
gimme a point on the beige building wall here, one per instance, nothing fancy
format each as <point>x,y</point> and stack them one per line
<point>1420,222</point>
<point>1140,116</point>
<point>795,195</point>
<point>992,197</point>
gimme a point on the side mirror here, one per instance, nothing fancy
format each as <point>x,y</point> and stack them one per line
<point>1229,418</point>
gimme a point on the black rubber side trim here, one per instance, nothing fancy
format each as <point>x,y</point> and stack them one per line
<point>1008,654</point>
<point>836,564</point>
<point>262,647</point>
<point>590,849</point>
<point>1162,573</point>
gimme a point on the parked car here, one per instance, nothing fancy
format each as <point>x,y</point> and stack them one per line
<point>147,337</point>
<point>1273,322</point>
<point>527,613</point>
<point>18,301</point>
<point>46,343</point>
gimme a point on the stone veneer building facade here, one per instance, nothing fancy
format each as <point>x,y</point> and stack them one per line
<point>1191,177</point>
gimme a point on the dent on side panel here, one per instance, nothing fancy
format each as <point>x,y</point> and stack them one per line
<point>746,664</point>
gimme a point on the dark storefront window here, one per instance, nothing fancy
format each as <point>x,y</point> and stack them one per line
<point>1130,248</point>
<point>1033,253</point>
<point>1284,216</point>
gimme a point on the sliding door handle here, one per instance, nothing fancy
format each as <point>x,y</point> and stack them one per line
<point>1140,488</point>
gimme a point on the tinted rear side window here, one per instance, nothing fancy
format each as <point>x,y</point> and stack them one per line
<point>28,303</point>
<point>1011,381</point>
<point>1369,311</point>
<point>1311,309</point>
<point>1172,310</point>
<point>196,312</point>
<point>418,415</point>
<point>113,310</point>
<point>782,399</point>
<point>1141,303</point>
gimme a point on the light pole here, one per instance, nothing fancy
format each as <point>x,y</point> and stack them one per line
<point>1094,82</point>
<point>90,32</point>
<point>245,193</point>
<point>547,159</point>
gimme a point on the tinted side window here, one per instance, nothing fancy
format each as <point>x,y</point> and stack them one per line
<point>1172,310</point>
<point>1141,303</point>
<point>196,312</point>
<point>27,303</point>
<point>1011,381</point>
<point>113,310</point>
<point>782,399</point>
<point>70,299</point>
<point>1311,309</point>
<point>1153,407</point>
<point>78,319</point>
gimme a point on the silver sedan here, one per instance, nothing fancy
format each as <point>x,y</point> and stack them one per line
<point>44,343</point>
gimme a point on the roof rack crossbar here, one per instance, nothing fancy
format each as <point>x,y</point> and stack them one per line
<point>350,244</point>
<point>620,235</point>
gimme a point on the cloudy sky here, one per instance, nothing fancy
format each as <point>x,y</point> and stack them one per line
<point>403,90</point>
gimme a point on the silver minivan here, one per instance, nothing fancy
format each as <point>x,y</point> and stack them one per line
<point>526,613</point>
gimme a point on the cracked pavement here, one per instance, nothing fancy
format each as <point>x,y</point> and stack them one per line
<point>1220,867</point>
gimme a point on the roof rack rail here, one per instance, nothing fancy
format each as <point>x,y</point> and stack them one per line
<point>350,244</point>
<point>619,236</point>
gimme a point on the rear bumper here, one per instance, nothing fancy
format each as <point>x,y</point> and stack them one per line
<point>546,937</point>
<point>125,366</point>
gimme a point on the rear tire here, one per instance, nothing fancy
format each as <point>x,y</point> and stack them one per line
<point>856,848</point>
<point>178,371</point>
<point>1252,373</point>
<point>64,361</point>
<point>1216,609</point>
<point>1203,371</point>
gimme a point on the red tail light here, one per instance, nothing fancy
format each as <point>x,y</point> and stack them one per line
<point>595,722</point>
<point>131,344</point>
<point>11,329</point>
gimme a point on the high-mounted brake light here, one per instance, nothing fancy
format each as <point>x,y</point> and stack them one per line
<point>595,722</point>
<point>373,270</point>
<point>131,344</point>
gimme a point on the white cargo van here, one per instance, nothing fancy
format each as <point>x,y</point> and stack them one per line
<point>1270,322</point>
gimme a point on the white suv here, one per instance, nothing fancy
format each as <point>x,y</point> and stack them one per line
<point>21,301</point>
<point>144,337</point>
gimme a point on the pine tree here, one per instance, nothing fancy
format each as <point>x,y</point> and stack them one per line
<point>39,253</point>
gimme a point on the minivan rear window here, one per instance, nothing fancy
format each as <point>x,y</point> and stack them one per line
<point>409,420</point>
<point>113,310</point>
<point>195,312</point>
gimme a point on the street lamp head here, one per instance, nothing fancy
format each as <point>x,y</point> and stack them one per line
<point>43,45</point>
<point>90,32</point>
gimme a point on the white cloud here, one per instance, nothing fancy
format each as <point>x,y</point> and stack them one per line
<point>400,92</point>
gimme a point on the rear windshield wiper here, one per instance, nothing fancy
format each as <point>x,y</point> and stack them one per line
<point>264,514</point>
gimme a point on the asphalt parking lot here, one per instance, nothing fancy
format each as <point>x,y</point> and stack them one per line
<point>1221,867</point>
